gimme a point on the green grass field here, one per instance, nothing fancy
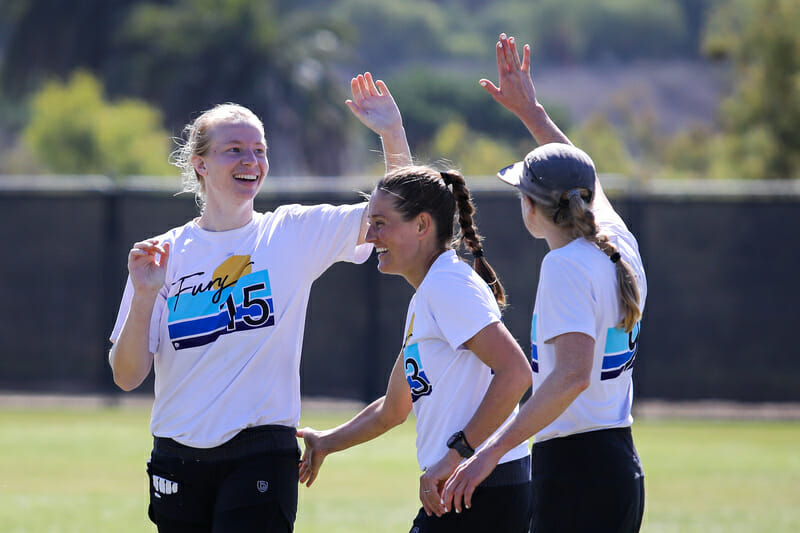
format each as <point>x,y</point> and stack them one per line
<point>82,470</point>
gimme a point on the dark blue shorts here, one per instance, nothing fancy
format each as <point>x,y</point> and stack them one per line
<point>247,484</point>
<point>501,503</point>
<point>590,481</point>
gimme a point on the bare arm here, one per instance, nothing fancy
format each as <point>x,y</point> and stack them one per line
<point>495,346</point>
<point>374,106</point>
<point>570,377</point>
<point>518,94</point>
<point>374,420</point>
<point>130,356</point>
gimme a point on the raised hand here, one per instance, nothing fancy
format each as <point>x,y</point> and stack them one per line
<point>147,265</point>
<point>516,91</point>
<point>313,455</point>
<point>373,105</point>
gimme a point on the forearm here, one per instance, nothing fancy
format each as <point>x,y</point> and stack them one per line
<point>498,403</point>
<point>373,421</point>
<point>130,356</point>
<point>541,126</point>
<point>549,401</point>
<point>396,151</point>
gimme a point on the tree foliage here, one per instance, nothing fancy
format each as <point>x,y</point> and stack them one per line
<point>74,130</point>
<point>761,116</point>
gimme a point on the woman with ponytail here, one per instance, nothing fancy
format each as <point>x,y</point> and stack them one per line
<point>459,368</point>
<point>584,334</point>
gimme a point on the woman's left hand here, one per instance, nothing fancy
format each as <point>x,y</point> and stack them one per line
<point>373,105</point>
<point>431,484</point>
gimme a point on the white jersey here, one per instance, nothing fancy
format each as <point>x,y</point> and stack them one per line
<point>447,381</point>
<point>578,293</point>
<point>227,327</point>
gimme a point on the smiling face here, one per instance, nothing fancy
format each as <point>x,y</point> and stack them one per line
<point>235,164</point>
<point>398,243</point>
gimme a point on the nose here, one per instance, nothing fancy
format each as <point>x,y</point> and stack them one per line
<point>370,236</point>
<point>249,157</point>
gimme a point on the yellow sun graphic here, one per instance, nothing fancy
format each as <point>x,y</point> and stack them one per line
<point>233,268</point>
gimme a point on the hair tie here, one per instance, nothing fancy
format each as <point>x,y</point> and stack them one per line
<point>446,178</point>
<point>477,253</point>
<point>614,257</point>
<point>574,192</point>
<point>555,215</point>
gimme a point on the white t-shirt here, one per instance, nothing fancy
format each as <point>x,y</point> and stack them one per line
<point>447,381</point>
<point>578,293</point>
<point>227,327</point>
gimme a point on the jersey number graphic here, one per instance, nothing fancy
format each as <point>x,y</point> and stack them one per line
<point>418,381</point>
<point>230,306</point>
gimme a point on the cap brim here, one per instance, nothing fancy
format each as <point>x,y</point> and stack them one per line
<point>512,174</point>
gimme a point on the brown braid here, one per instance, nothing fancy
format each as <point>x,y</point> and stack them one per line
<point>468,233</point>
<point>573,211</point>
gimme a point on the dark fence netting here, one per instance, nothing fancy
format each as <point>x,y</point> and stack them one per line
<point>721,304</point>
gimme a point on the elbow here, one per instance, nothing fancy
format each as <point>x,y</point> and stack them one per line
<point>126,383</point>
<point>394,419</point>
<point>579,382</point>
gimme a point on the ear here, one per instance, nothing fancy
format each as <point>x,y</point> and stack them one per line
<point>199,165</point>
<point>424,225</point>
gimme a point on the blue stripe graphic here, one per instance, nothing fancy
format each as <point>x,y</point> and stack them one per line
<point>201,318</point>
<point>620,351</point>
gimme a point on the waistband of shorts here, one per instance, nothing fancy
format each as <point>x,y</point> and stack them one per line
<point>249,441</point>
<point>511,473</point>
<point>587,437</point>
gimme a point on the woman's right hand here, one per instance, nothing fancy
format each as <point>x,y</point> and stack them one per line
<point>147,265</point>
<point>466,478</point>
<point>373,105</point>
<point>516,91</point>
<point>313,455</point>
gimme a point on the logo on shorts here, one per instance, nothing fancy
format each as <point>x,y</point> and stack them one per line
<point>164,486</point>
<point>262,486</point>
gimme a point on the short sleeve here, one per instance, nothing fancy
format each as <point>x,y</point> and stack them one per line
<point>329,234</point>
<point>461,306</point>
<point>565,300</point>
<point>155,320</point>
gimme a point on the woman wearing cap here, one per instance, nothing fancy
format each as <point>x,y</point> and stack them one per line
<point>584,334</point>
<point>459,368</point>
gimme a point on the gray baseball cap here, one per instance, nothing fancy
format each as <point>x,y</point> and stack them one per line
<point>551,170</point>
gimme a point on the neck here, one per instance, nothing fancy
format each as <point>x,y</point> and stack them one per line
<point>415,278</point>
<point>557,236</point>
<point>216,218</point>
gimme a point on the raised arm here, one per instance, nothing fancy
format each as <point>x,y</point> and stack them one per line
<point>518,94</point>
<point>373,105</point>
<point>130,356</point>
<point>374,420</point>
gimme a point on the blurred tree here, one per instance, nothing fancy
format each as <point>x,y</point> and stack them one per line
<point>75,131</point>
<point>48,37</point>
<point>188,55</point>
<point>430,97</point>
<point>604,143</point>
<point>473,153</point>
<point>761,138</point>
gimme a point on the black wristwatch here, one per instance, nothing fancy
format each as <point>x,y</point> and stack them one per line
<point>458,442</point>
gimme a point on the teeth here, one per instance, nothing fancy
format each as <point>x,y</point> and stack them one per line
<point>246,177</point>
<point>381,250</point>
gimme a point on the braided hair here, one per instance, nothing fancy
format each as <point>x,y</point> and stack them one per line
<point>417,189</point>
<point>572,210</point>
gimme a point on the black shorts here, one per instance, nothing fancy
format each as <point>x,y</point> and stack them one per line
<point>246,484</point>
<point>501,503</point>
<point>590,481</point>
